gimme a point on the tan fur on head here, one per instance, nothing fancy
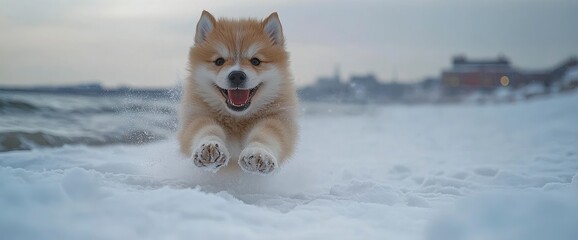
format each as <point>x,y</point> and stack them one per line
<point>264,132</point>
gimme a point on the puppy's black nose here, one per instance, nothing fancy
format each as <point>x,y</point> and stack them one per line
<point>237,78</point>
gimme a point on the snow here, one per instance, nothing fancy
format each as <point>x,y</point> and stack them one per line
<point>506,171</point>
<point>570,75</point>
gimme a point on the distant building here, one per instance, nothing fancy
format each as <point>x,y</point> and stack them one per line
<point>486,75</point>
<point>358,89</point>
<point>327,89</point>
<point>490,79</point>
<point>363,88</point>
<point>563,71</point>
<point>570,79</point>
<point>474,75</point>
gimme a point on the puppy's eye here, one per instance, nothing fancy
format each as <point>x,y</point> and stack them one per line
<point>255,61</point>
<point>219,61</point>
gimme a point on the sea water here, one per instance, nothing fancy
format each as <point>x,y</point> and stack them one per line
<point>30,120</point>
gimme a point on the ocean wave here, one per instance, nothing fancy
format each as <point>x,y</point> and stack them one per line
<point>18,106</point>
<point>8,104</point>
<point>17,140</point>
<point>149,108</point>
<point>131,108</point>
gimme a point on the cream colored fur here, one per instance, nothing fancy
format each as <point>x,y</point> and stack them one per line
<point>258,139</point>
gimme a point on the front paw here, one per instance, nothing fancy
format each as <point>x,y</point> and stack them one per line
<point>211,155</point>
<point>257,160</point>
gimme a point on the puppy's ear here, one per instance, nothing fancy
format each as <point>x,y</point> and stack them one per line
<point>204,27</point>
<point>272,27</point>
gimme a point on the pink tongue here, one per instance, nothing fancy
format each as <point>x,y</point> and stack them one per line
<point>238,97</point>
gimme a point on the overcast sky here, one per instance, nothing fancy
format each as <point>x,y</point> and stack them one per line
<point>145,43</point>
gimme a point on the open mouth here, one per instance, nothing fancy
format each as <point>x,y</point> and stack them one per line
<point>238,99</point>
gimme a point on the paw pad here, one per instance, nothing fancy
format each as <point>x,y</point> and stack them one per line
<point>256,160</point>
<point>210,156</point>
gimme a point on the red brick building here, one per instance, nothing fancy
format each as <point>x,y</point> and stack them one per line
<point>488,74</point>
<point>474,75</point>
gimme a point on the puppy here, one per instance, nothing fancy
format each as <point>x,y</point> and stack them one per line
<point>239,103</point>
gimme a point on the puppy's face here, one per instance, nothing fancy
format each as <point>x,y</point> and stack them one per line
<point>240,65</point>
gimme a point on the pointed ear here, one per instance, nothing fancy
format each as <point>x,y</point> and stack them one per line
<point>204,26</point>
<point>272,27</point>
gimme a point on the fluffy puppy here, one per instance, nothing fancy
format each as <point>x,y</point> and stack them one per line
<point>239,103</point>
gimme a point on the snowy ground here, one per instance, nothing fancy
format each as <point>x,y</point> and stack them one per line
<point>391,172</point>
